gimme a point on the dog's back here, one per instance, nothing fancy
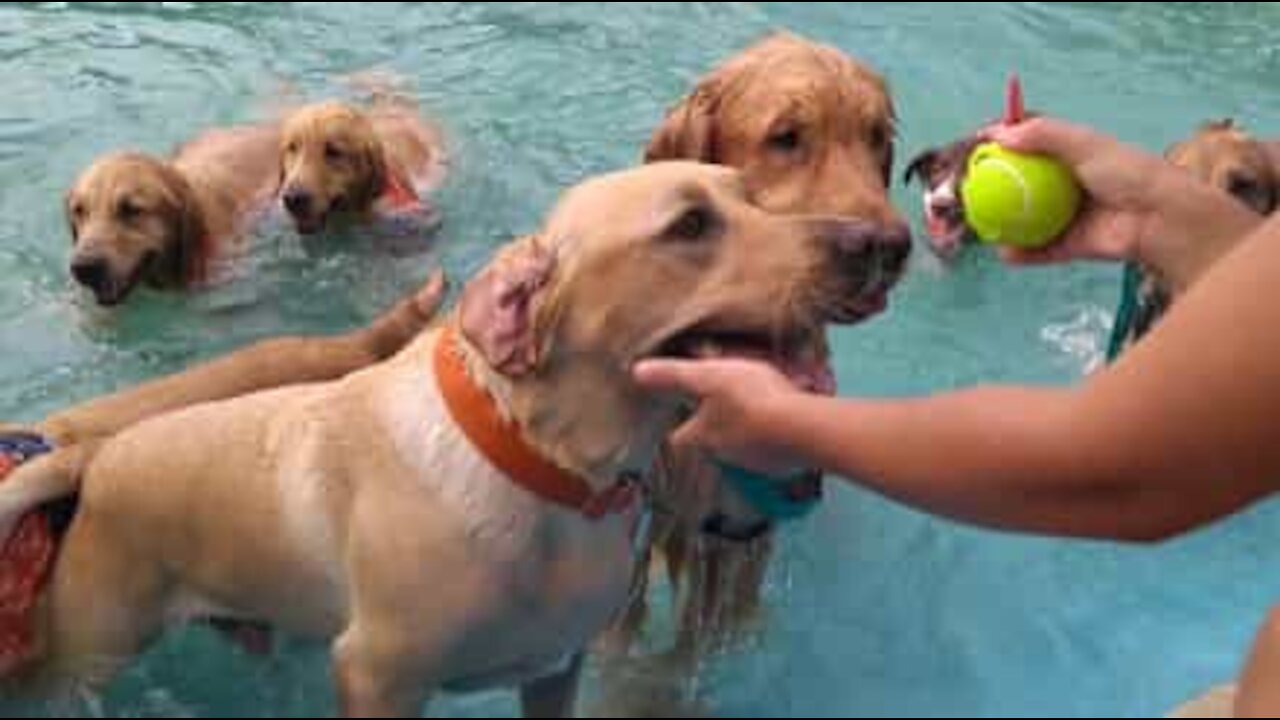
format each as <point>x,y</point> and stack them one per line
<point>235,169</point>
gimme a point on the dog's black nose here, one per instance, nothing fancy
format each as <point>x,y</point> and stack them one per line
<point>857,241</point>
<point>297,201</point>
<point>91,272</point>
<point>943,207</point>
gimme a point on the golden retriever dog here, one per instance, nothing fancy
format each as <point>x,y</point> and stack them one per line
<point>136,219</point>
<point>33,511</point>
<point>1226,156</point>
<point>812,131</point>
<point>343,161</point>
<point>464,514</point>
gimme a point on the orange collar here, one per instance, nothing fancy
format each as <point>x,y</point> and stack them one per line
<point>500,441</point>
<point>398,194</point>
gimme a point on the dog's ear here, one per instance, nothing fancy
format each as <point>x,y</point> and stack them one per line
<point>372,170</point>
<point>185,259</point>
<point>498,308</point>
<point>920,167</point>
<point>688,132</point>
<point>1219,125</point>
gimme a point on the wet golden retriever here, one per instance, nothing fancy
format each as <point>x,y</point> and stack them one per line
<point>812,130</point>
<point>372,512</point>
<point>1226,156</point>
<point>340,160</point>
<point>137,219</point>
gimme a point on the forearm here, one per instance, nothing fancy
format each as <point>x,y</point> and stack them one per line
<point>1015,459</point>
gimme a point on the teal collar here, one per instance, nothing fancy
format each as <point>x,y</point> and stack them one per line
<point>776,499</point>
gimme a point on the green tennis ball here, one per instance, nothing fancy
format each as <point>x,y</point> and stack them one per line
<point>1011,198</point>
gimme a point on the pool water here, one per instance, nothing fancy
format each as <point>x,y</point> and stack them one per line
<point>875,611</point>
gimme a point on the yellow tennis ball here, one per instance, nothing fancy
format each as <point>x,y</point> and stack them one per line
<point>1017,199</point>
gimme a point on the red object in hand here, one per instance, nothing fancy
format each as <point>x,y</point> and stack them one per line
<point>1015,110</point>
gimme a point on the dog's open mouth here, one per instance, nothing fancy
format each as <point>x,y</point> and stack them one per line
<point>944,221</point>
<point>112,292</point>
<point>312,224</point>
<point>801,356</point>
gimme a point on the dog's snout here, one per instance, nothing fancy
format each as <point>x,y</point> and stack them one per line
<point>91,272</point>
<point>298,201</point>
<point>864,260</point>
<point>943,206</point>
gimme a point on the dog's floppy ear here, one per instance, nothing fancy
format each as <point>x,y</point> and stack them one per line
<point>1219,125</point>
<point>688,132</point>
<point>186,258</point>
<point>920,167</point>
<point>373,171</point>
<point>497,309</point>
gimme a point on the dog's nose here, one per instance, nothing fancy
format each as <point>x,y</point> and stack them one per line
<point>297,201</point>
<point>943,207</point>
<point>91,272</point>
<point>861,239</point>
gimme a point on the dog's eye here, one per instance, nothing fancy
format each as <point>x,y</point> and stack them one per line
<point>128,210</point>
<point>333,153</point>
<point>78,211</point>
<point>787,140</point>
<point>291,148</point>
<point>694,224</point>
<point>1243,187</point>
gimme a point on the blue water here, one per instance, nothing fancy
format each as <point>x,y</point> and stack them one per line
<point>875,611</point>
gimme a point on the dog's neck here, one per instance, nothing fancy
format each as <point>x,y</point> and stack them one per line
<point>597,428</point>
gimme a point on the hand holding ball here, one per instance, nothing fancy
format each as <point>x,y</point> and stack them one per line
<point>1012,198</point>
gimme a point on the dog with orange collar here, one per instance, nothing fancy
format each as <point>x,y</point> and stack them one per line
<point>463,515</point>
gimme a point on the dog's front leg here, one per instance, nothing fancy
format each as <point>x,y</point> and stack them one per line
<point>554,696</point>
<point>376,680</point>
